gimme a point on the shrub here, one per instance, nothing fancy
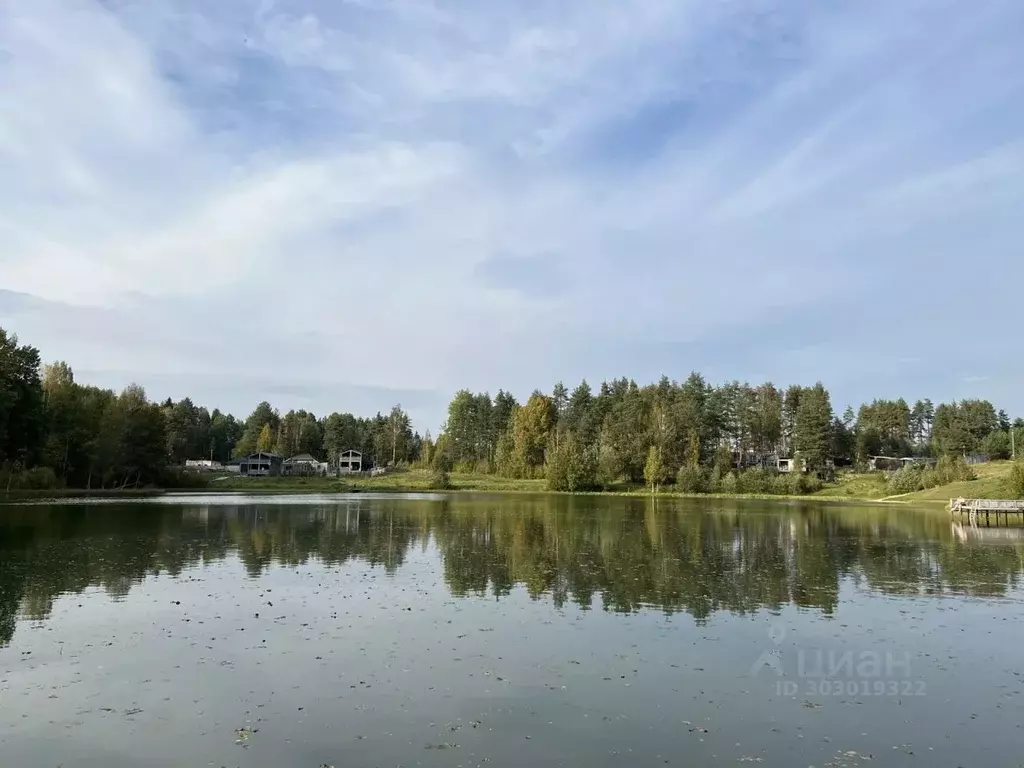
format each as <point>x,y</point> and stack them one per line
<point>723,459</point>
<point>556,469</point>
<point>756,481</point>
<point>1017,480</point>
<point>801,483</point>
<point>581,472</point>
<point>440,479</point>
<point>729,483</point>
<point>715,480</point>
<point>907,480</point>
<point>36,479</point>
<point>952,469</point>
<point>692,480</point>
<point>996,445</point>
<point>440,475</point>
<point>782,485</point>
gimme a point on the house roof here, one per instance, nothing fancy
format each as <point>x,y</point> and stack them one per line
<point>350,452</point>
<point>263,454</point>
<point>301,457</point>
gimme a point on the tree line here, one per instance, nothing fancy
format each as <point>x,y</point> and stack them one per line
<point>698,434</point>
<point>55,431</point>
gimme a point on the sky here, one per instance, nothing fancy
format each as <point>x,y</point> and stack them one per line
<point>340,205</point>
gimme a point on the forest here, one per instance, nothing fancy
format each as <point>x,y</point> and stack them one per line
<point>57,432</point>
<point>696,435</point>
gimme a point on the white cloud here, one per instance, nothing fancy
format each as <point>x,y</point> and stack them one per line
<point>429,196</point>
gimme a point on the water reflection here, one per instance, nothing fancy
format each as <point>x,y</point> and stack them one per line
<point>616,554</point>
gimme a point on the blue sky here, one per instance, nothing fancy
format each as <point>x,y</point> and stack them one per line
<point>339,205</point>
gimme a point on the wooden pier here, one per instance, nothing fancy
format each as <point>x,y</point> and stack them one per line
<point>991,509</point>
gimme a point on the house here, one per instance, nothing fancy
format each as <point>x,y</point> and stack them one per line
<point>304,464</point>
<point>234,466</point>
<point>785,465</point>
<point>260,464</point>
<point>893,463</point>
<point>350,461</point>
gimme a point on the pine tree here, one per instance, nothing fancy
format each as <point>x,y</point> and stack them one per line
<point>812,429</point>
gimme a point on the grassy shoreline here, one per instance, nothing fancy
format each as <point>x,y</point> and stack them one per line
<point>863,489</point>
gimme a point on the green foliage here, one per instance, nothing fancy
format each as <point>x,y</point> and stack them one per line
<point>812,433</point>
<point>960,428</point>
<point>803,483</point>
<point>620,433</point>
<point>531,429</point>
<point>782,485</point>
<point>996,445</point>
<point>692,478</point>
<point>571,466</point>
<point>35,479</point>
<point>723,459</point>
<point>953,469</point>
<point>1017,480</point>
<point>909,479</point>
<point>265,441</point>
<point>756,481</point>
<point>917,477</point>
<point>440,476</point>
<point>654,469</point>
<point>22,407</point>
<point>715,479</point>
<point>884,428</point>
<point>505,463</point>
<point>608,468</point>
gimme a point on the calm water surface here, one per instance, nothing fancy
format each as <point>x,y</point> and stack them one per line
<point>470,631</point>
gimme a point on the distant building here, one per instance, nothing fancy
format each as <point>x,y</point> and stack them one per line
<point>234,466</point>
<point>304,464</point>
<point>260,464</point>
<point>203,465</point>
<point>350,461</point>
<point>894,463</point>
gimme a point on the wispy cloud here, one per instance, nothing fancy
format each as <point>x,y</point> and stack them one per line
<point>422,195</point>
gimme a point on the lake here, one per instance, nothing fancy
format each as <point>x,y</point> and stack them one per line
<point>279,632</point>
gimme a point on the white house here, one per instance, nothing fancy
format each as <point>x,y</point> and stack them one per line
<point>350,461</point>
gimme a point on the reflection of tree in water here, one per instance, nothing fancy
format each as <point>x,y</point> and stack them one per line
<point>626,553</point>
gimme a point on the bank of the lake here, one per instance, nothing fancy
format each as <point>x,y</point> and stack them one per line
<point>992,482</point>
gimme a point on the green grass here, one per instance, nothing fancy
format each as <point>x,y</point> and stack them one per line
<point>993,483</point>
<point>871,486</point>
<point>412,480</point>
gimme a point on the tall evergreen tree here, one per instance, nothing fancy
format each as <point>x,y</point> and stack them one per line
<point>812,430</point>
